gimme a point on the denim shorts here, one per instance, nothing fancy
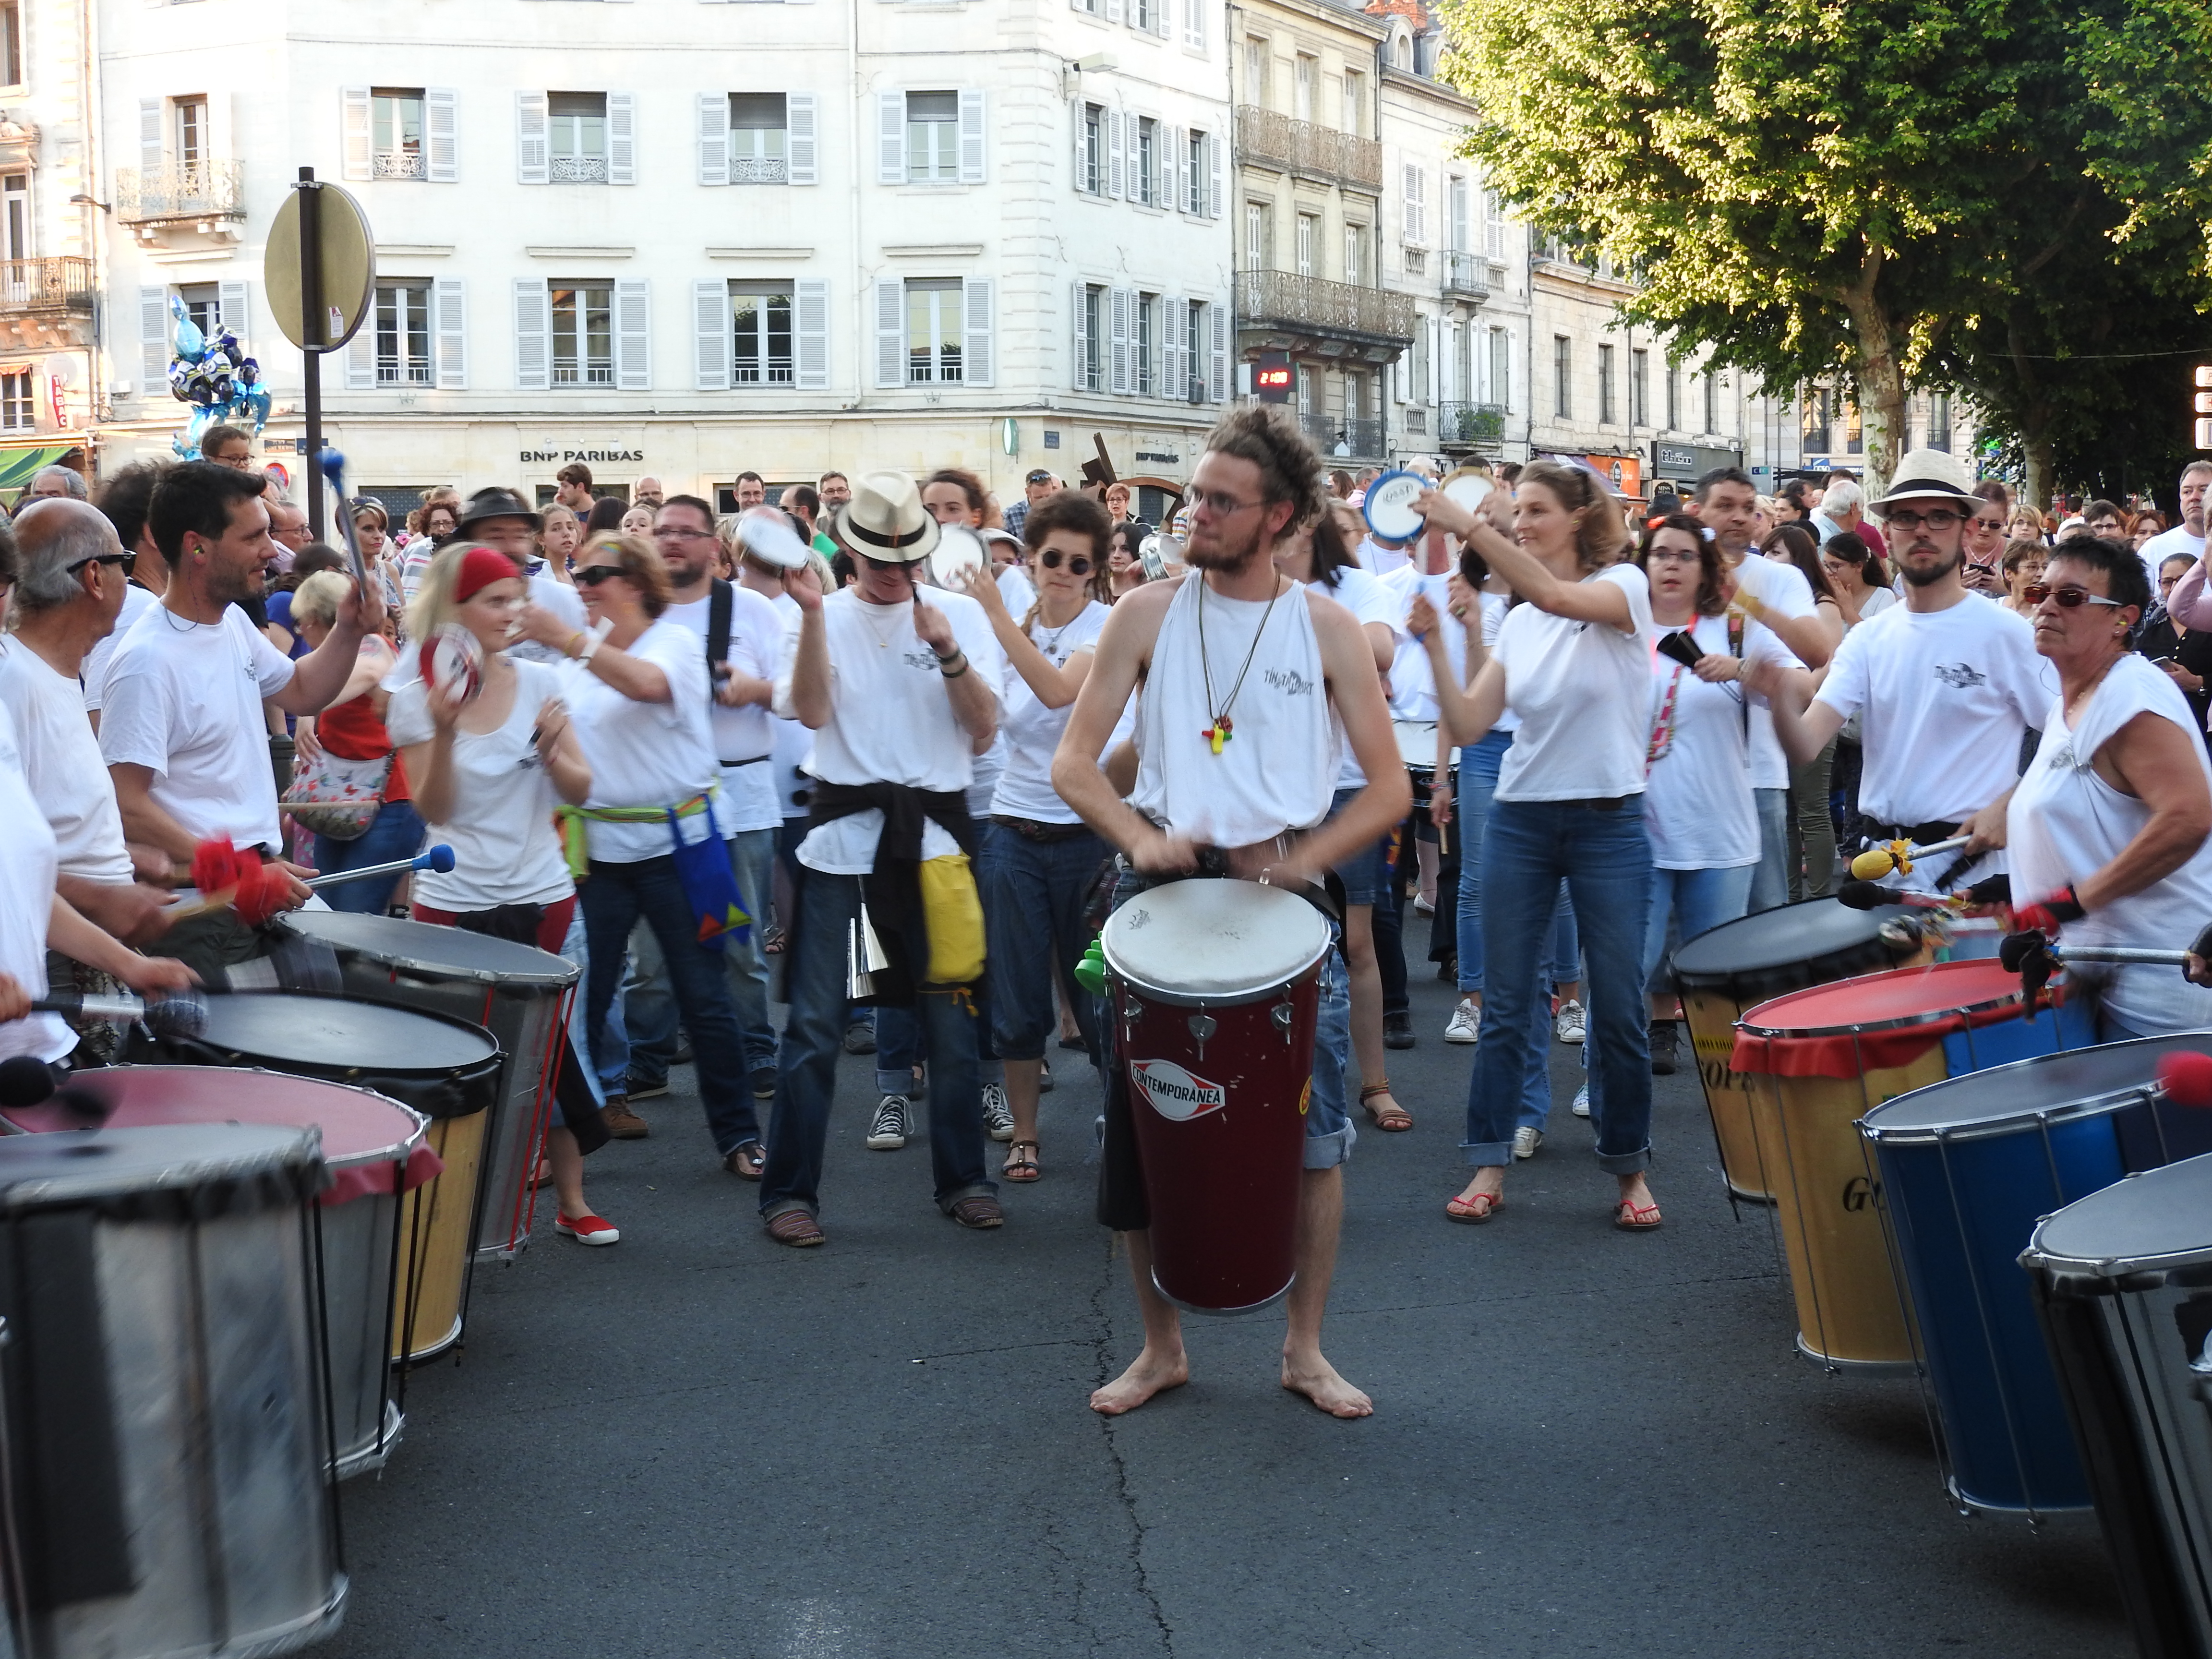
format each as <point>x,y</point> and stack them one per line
<point>1365,873</point>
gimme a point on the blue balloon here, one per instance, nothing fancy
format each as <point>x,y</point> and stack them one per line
<point>190,342</point>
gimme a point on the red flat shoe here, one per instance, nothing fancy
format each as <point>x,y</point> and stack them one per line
<point>1473,1211</point>
<point>1634,1218</point>
<point>586,1228</point>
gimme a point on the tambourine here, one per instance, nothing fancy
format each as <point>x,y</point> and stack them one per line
<point>1389,507</point>
<point>957,555</point>
<point>765,533</point>
<point>452,656</point>
<point>1467,488</point>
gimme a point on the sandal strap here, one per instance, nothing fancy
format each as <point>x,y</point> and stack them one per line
<point>1373,1090</point>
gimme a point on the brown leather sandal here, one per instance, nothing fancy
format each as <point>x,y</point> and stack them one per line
<point>1391,1120</point>
<point>1019,1166</point>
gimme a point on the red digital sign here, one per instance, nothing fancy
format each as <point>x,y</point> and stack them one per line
<point>1272,377</point>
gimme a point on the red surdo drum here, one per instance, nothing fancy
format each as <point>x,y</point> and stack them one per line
<point>1214,987</point>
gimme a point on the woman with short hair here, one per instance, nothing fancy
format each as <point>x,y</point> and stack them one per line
<point>2023,566</point>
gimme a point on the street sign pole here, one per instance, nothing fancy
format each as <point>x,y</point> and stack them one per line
<point>314,325</point>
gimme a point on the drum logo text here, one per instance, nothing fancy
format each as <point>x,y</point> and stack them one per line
<point>1175,1094</point>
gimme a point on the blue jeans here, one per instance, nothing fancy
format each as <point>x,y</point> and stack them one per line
<point>903,1044</point>
<point>1699,900</point>
<point>1606,860</point>
<point>650,1016</point>
<point>614,898</point>
<point>396,833</point>
<point>1033,893</point>
<point>1478,782</point>
<point>1769,880</point>
<point>807,1070</point>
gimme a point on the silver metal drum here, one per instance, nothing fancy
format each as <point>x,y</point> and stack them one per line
<point>375,1152</point>
<point>165,1388</point>
<point>519,993</point>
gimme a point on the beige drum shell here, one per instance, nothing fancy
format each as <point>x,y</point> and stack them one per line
<point>435,1243</point>
<point>1712,1018</point>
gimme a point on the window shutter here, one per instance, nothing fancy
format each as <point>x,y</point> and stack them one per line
<point>810,329</point>
<point>1163,18</point>
<point>971,134</point>
<point>621,138</point>
<point>1194,23</point>
<point>441,125</point>
<point>710,335</point>
<point>890,333</point>
<point>1217,347</point>
<point>449,320</point>
<point>1216,196</point>
<point>354,101</point>
<point>977,364</point>
<point>1082,312</point>
<point>714,138</point>
<point>1174,169</point>
<point>1082,150</point>
<point>1120,298</point>
<point>361,355</point>
<point>891,139</point>
<point>1114,136</point>
<point>533,334</point>
<point>1113,10</point>
<point>153,340</point>
<point>633,334</point>
<point>150,112</point>
<point>230,306</point>
<point>802,144</point>
<point>533,143</point>
<point>1173,319</point>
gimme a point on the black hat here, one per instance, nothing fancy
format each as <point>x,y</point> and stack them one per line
<point>496,503</point>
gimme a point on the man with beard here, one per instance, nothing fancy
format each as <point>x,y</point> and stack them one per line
<point>1263,799</point>
<point>1945,684</point>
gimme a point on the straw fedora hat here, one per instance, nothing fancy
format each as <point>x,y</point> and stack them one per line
<point>1926,474</point>
<point>885,519</point>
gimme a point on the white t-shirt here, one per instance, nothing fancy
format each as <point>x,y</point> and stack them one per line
<point>1370,599</point>
<point>137,601</point>
<point>505,849</point>
<point>1030,732</point>
<point>890,717</point>
<point>2164,546</point>
<point>1943,697</point>
<point>26,903</point>
<point>1582,692</point>
<point>1697,807</point>
<point>1413,687</point>
<point>184,699</point>
<point>1782,589</point>
<point>1383,560</point>
<point>60,759</point>
<point>644,754</point>
<point>549,592</point>
<point>1016,588</point>
<point>744,742</point>
<point>794,744</point>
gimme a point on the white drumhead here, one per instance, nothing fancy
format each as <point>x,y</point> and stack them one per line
<point>452,657</point>
<point>1389,507</point>
<point>765,533</point>
<point>957,555</point>
<point>1467,488</point>
<point>1417,742</point>
<point>1214,938</point>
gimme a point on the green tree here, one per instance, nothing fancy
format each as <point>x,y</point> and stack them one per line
<point>1816,189</point>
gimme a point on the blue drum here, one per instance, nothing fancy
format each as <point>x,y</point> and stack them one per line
<point>1964,1169</point>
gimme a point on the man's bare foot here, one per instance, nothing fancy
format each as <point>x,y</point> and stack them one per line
<point>1148,1374</point>
<point>1316,1379</point>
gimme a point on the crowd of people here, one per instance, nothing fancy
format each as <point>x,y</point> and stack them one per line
<point>916,786</point>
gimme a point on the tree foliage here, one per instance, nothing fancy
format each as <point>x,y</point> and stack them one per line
<point>1857,188</point>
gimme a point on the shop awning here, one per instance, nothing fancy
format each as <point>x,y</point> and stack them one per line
<point>19,466</point>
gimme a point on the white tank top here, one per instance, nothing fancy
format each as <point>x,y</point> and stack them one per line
<point>2064,823</point>
<point>1278,769</point>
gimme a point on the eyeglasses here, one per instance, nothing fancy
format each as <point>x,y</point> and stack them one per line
<point>128,561</point>
<point>1079,564</point>
<point>669,533</point>
<point>1984,524</point>
<point>1221,506</point>
<point>1940,519</point>
<point>2168,582</point>
<point>593,574</point>
<point>2069,598</point>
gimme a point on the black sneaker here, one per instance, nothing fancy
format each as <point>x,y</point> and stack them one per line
<point>1664,1047</point>
<point>859,1038</point>
<point>764,1083</point>
<point>640,1088</point>
<point>1398,1030</point>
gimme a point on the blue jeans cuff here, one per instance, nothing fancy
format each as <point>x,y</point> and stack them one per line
<point>1327,1151</point>
<point>1489,1154</point>
<point>1622,1163</point>
<point>974,1189</point>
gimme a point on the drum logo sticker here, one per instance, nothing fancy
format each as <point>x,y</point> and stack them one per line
<point>1175,1094</point>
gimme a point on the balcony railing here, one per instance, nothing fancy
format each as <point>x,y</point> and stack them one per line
<point>1287,300</point>
<point>579,170</point>
<point>399,164</point>
<point>1335,436</point>
<point>1467,273</point>
<point>759,170</point>
<point>182,190</point>
<point>1318,152</point>
<point>1470,424</point>
<point>46,285</point>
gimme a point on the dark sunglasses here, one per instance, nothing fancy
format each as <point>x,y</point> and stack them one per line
<point>593,574</point>
<point>128,561</point>
<point>2069,598</point>
<point>1079,564</point>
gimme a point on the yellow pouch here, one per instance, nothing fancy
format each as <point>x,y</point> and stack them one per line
<point>952,911</point>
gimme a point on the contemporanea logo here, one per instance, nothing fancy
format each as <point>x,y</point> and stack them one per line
<point>1175,1094</point>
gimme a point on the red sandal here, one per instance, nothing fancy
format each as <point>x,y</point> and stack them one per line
<point>1635,1219</point>
<point>1466,1210</point>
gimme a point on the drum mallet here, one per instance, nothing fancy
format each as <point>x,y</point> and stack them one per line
<point>1864,895</point>
<point>333,468</point>
<point>2186,1078</point>
<point>1898,856</point>
<point>181,1014</point>
<point>438,857</point>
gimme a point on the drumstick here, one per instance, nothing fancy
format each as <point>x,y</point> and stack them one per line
<point>438,857</point>
<point>181,1013</point>
<point>333,466</point>
<point>1878,861</point>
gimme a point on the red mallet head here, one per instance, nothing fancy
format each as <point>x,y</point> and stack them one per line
<point>2186,1078</point>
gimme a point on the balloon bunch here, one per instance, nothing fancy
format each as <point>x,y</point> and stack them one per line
<point>223,874</point>
<point>218,379</point>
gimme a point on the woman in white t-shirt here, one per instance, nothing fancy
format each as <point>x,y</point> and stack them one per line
<point>635,686</point>
<point>1573,665</point>
<point>486,774</point>
<point>1039,859</point>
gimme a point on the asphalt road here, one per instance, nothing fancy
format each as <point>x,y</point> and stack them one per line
<point>700,1443</point>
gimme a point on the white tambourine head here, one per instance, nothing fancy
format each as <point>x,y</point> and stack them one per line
<point>767,535</point>
<point>452,657</point>
<point>1467,490</point>
<point>957,555</point>
<point>1388,507</point>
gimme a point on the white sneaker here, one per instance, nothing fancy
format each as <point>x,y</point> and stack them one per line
<point>1423,907</point>
<point>998,1115</point>
<point>1582,1101</point>
<point>1466,1022</point>
<point>887,1129</point>
<point>1571,1026</point>
<point>1526,1140</point>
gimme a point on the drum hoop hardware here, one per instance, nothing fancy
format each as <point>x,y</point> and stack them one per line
<point>1903,1023</point>
<point>1932,1134</point>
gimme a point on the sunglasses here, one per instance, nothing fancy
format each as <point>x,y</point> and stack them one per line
<point>1039,477</point>
<point>128,561</point>
<point>593,574</point>
<point>2069,598</point>
<point>887,566</point>
<point>1079,564</point>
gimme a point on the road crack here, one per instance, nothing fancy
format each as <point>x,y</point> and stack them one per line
<point>1103,1324</point>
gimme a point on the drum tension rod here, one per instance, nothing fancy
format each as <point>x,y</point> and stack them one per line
<point>1202,1026</point>
<point>1281,1015</point>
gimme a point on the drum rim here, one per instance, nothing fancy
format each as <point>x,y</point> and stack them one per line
<point>399,1067</point>
<point>1706,978</point>
<point>398,1153</point>
<point>2076,1106</point>
<point>1257,991</point>
<point>297,1149</point>
<point>423,967</point>
<point>2011,999</point>
<point>2049,1262</point>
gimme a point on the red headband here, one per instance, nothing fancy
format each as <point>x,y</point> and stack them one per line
<point>480,567</point>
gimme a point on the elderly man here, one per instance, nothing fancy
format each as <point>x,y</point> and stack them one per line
<point>646,492</point>
<point>2188,536</point>
<point>59,481</point>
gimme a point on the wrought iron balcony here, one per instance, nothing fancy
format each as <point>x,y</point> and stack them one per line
<point>1337,437</point>
<point>1311,304</point>
<point>1318,152</point>
<point>399,164</point>
<point>759,170</point>
<point>182,190</point>
<point>579,170</point>
<point>1470,424</point>
<point>1467,273</point>
<point>53,285</point>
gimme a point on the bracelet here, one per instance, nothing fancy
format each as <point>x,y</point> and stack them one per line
<point>943,657</point>
<point>950,673</point>
<point>568,645</point>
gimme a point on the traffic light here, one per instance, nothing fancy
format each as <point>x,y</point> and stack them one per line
<point>2204,406</point>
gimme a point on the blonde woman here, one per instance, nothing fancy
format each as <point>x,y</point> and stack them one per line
<point>559,533</point>
<point>639,520</point>
<point>352,727</point>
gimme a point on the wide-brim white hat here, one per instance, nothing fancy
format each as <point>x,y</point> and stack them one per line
<point>1926,474</point>
<point>885,519</point>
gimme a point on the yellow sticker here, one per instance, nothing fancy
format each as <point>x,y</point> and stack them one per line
<point>1305,1097</point>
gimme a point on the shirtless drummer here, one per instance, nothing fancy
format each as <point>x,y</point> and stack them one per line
<point>1236,649</point>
